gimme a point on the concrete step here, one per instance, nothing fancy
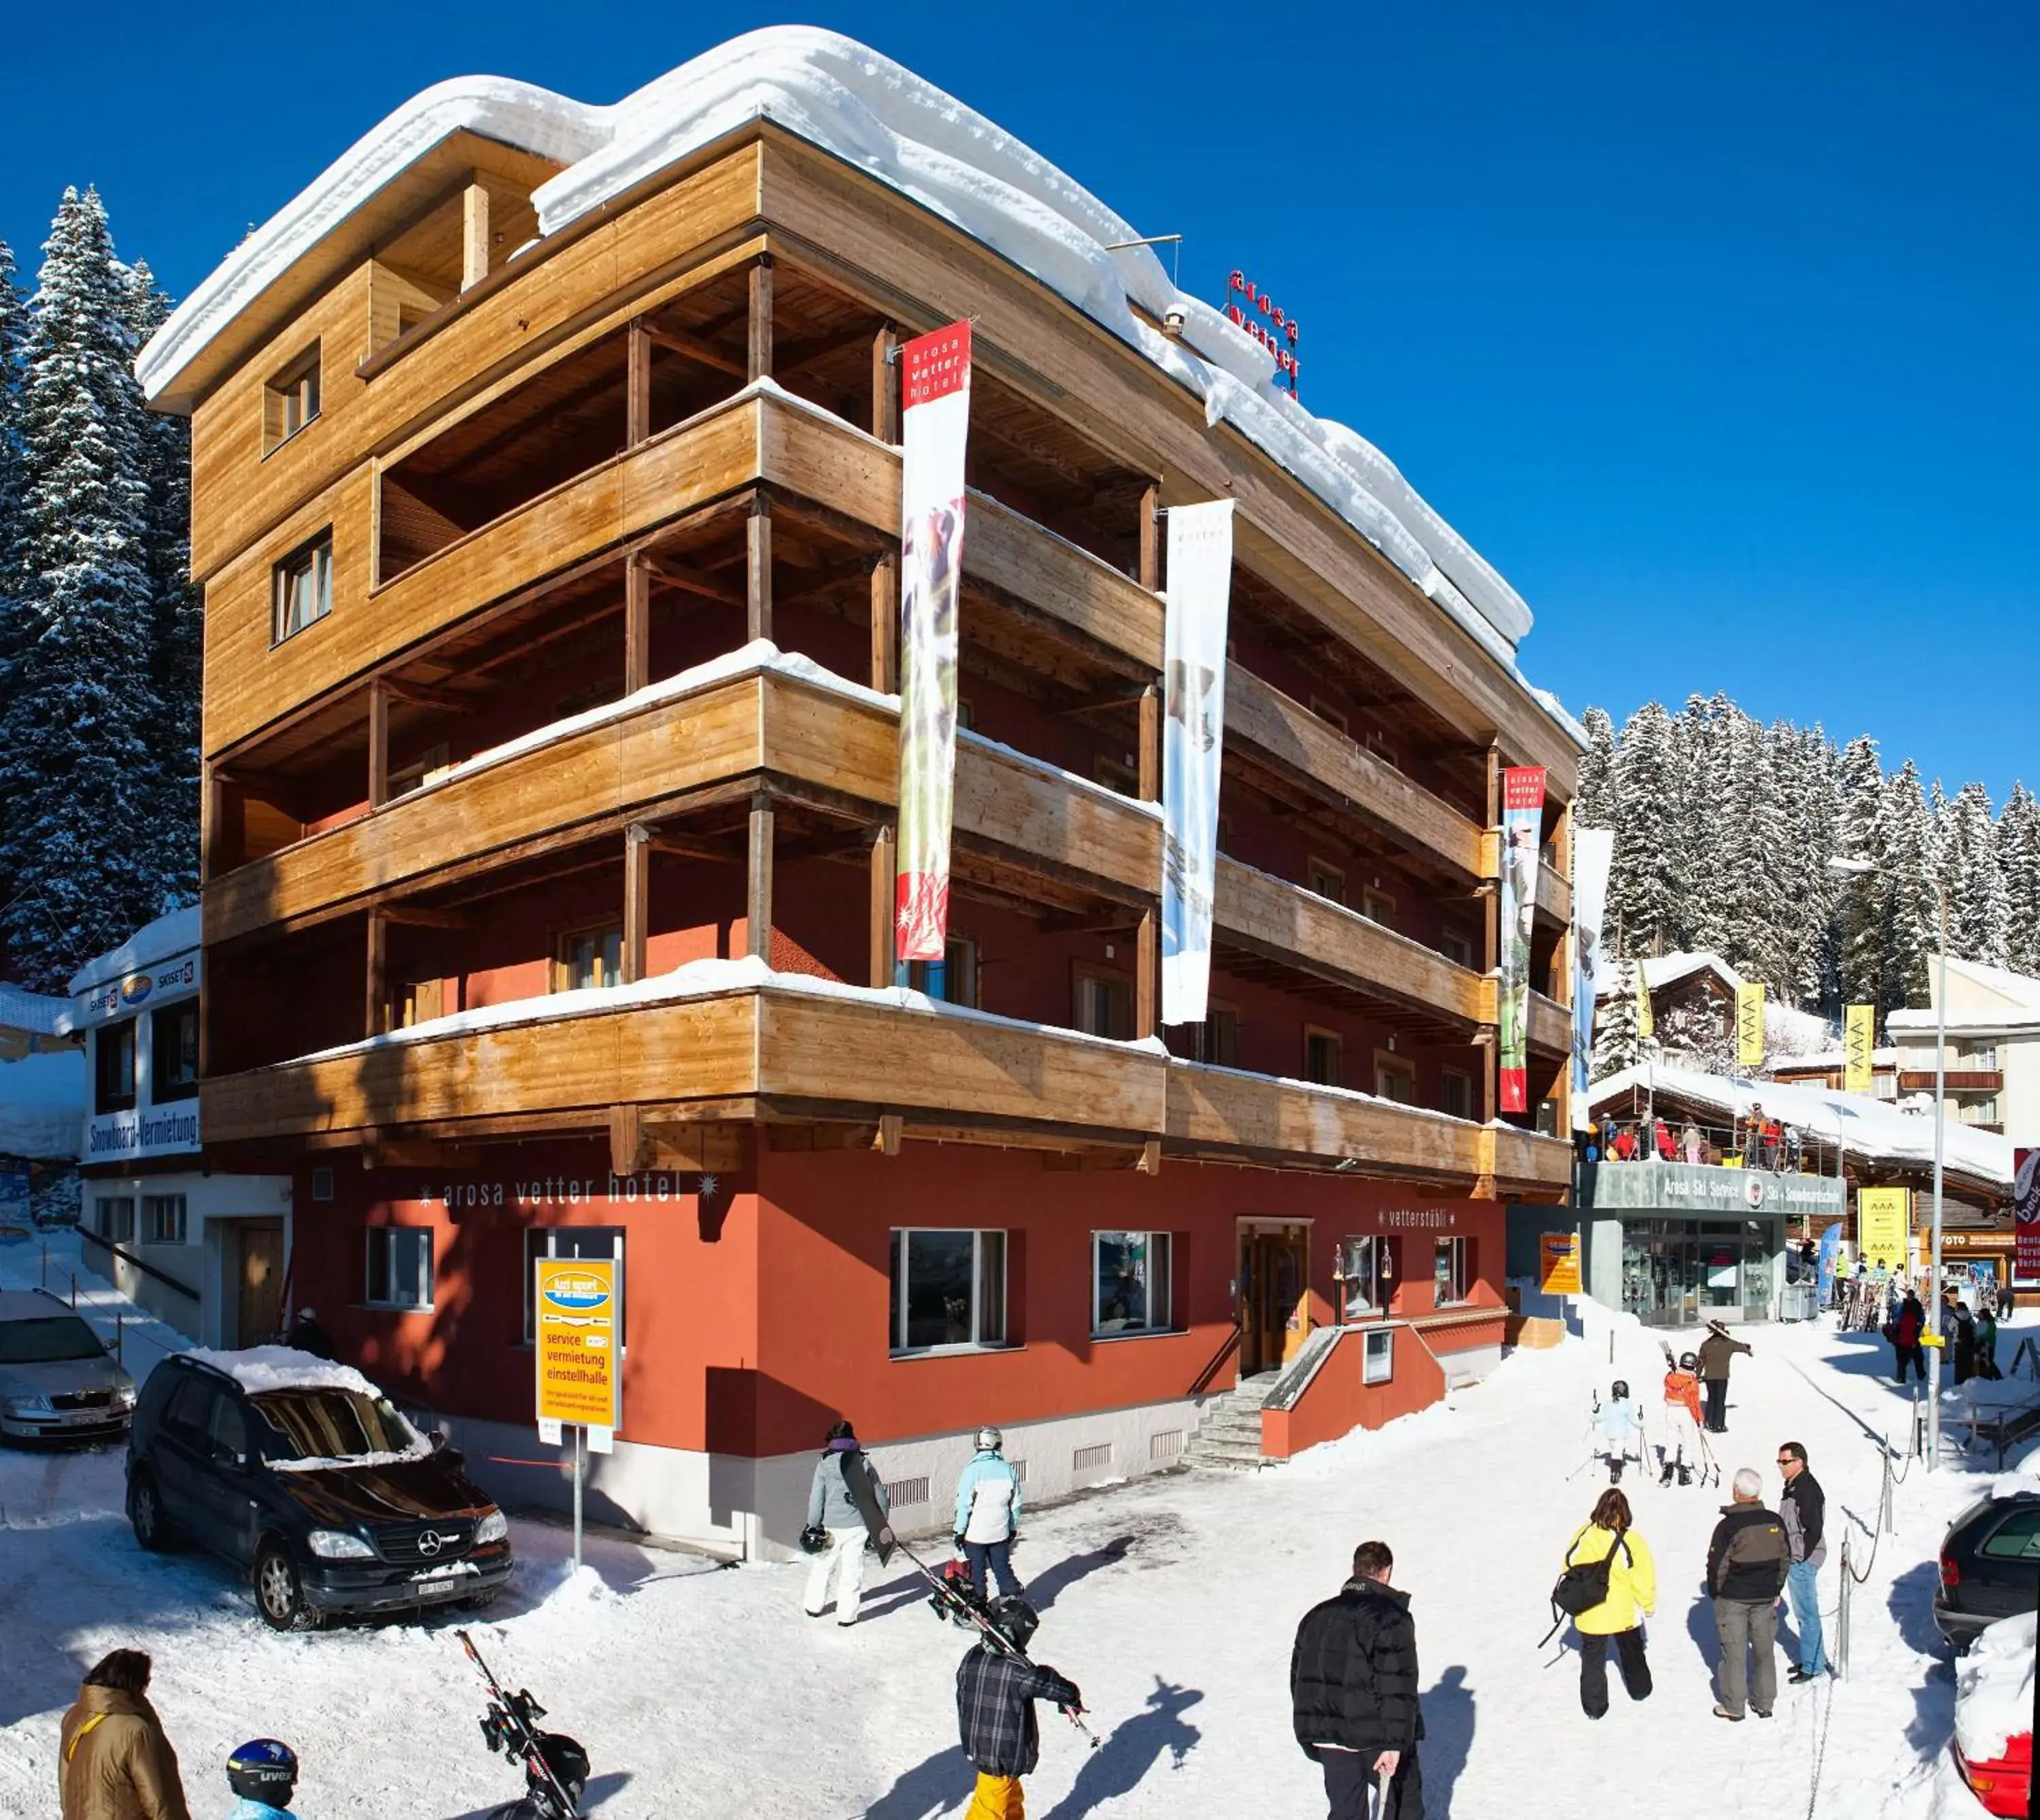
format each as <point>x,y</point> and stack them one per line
<point>1222,1463</point>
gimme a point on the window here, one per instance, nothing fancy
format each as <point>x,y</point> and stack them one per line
<point>2016,1539</point>
<point>1125,778</point>
<point>1132,1282</point>
<point>966,714</point>
<point>1104,1003</point>
<point>953,978</point>
<point>1450,1274</point>
<point>1367,1276</point>
<point>1457,945</point>
<point>1377,743</point>
<point>592,956</point>
<point>1378,907</point>
<point>1325,879</point>
<point>227,1432</point>
<point>290,400</point>
<point>430,765</point>
<point>949,1289</point>
<point>1455,1093</point>
<point>400,1267</point>
<point>174,1052</point>
<point>1324,1057</point>
<point>303,588</point>
<point>1377,1358</point>
<point>163,1219</point>
<point>1325,712</point>
<point>1980,1111</point>
<point>571,1242</point>
<point>113,1066</point>
<point>1395,1078</point>
<point>116,1218</point>
<point>1216,1040</point>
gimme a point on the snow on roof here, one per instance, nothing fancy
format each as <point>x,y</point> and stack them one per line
<point>1833,1059</point>
<point>1994,1688</point>
<point>258,1369</point>
<point>883,119</point>
<point>152,941</point>
<point>37,1013</point>
<point>1873,1130</point>
<point>42,1106</point>
<point>1663,970</point>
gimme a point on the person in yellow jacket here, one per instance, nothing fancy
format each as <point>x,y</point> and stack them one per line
<point>1632,1595</point>
<point>114,1761</point>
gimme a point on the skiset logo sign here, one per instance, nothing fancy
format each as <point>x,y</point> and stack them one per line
<point>577,1291</point>
<point>125,993</point>
<point>134,989</point>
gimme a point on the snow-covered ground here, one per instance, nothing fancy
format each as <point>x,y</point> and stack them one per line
<point>704,1692</point>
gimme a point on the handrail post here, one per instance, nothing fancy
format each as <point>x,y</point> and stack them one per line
<point>1842,1616</point>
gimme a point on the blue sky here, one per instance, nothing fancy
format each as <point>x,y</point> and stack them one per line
<point>1714,329</point>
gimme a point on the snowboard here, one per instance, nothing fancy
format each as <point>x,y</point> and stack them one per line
<point>863,1484</point>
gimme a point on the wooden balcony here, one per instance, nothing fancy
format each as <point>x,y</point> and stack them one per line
<point>1522,1164</point>
<point>1955,1080</point>
<point>1550,1027</point>
<point>1555,895</point>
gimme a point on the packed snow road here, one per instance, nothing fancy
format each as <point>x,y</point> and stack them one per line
<point>704,1692</point>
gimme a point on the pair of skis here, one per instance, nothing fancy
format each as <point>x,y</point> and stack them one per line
<point>511,1726</point>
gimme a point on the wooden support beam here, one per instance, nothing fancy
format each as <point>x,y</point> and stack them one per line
<point>416,1153</point>
<point>884,389</point>
<point>758,356</point>
<point>474,236</point>
<point>212,828</point>
<point>637,409</point>
<point>757,880</point>
<point>1150,1157</point>
<point>426,695</point>
<point>1147,975</point>
<point>637,624</point>
<point>1150,783</point>
<point>421,916</point>
<point>693,347</point>
<point>795,355</point>
<point>375,995</point>
<point>1151,536</point>
<point>714,852</point>
<point>715,1146</point>
<point>636,900</point>
<point>758,568</point>
<point>684,576</point>
<point>883,850</point>
<point>1125,695</point>
<point>626,1139</point>
<point>891,1127</point>
<point>378,743</point>
<point>885,624</point>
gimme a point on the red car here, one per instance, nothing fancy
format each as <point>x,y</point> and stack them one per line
<point>1993,1701</point>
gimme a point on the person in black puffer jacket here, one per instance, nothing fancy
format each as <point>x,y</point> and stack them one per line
<point>1352,1686</point>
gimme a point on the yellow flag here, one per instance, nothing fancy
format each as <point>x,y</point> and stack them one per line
<point>1861,1037</point>
<point>1749,1026</point>
<point>1647,1025</point>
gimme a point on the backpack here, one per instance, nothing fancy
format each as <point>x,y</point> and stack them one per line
<point>1583,1586</point>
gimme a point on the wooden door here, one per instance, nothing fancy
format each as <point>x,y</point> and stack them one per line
<point>260,1313</point>
<point>1288,1302</point>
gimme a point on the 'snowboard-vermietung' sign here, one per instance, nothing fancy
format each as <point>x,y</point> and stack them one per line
<point>579,1374</point>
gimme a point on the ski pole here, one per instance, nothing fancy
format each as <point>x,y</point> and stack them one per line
<point>992,1633</point>
<point>533,1751</point>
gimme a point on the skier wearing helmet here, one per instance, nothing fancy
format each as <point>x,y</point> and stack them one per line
<point>263,1772</point>
<point>988,1514</point>
<point>996,1689</point>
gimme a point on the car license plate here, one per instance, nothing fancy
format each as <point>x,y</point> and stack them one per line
<point>448,1571</point>
<point>81,1417</point>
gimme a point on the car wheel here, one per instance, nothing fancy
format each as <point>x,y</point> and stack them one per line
<point>279,1597</point>
<point>482,1600</point>
<point>145,1512</point>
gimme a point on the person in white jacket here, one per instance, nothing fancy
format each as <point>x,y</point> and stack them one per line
<point>988,1514</point>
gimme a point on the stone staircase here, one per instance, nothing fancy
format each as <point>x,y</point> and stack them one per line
<point>1228,1437</point>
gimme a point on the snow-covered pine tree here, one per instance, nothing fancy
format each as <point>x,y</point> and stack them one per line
<point>177,635</point>
<point>1593,802</point>
<point>1864,907</point>
<point>2018,842</point>
<point>1708,732</point>
<point>1979,908</point>
<point>13,327</point>
<point>1617,1040</point>
<point>1643,909</point>
<point>78,784</point>
<point>1906,840</point>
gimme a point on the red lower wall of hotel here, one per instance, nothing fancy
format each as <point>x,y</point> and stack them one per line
<point>1336,1402</point>
<point>759,1313</point>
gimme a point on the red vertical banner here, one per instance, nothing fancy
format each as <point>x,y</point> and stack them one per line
<point>2026,1217</point>
<point>1522,830</point>
<point>934,425</point>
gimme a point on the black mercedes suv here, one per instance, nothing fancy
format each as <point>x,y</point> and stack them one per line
<point>303,1474</point>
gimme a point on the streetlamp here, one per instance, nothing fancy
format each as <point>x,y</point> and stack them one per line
<point>1855,868</point>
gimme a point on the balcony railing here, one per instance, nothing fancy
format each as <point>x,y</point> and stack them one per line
<point>1957,1080</point>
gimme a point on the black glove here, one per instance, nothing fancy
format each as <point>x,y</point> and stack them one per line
<point>957,1538</point>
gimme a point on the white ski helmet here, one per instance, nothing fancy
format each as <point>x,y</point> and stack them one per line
<point>990,1440</point>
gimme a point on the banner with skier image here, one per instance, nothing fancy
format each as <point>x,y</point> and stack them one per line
<point>934,425</point>
<point>1522,835</point>
<point>1593,857</point>
<point>1199,595</point>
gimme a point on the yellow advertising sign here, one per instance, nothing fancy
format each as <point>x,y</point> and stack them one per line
<point>1558,1259</point>
<point>1646,1025</point>
<point>1883,1222</point>
<point>1749,1026</point>
<point>579,1374</point>
<point>1859,1040</point>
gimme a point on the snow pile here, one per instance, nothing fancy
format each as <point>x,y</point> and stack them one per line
<point>263,1369</point>
<point>36,1013</point>
<point>418,1449</point>
<point>174,934</point>
<point>881,118</point>
<point>42,1106</point>
<point>1994,1688</point>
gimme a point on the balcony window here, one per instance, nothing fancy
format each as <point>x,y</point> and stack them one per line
<point>1324,1057</point>
<point>1452,1271</point>
<point>1103,1004</point>
<point>113,1066</point>
<point>1455,1093</point>
<point>1979,1111</point>
<point>948,1289</point>
<point>302,588</point>
<point>164,1219</point>
<point>400,1267</point>
<point>1378,907</point>
<point>1331,715</point>
<point>1395,1078</point>
<point>1325,880</point>
<point>953,978</point>
<point>1132,1282</point>
<point>1215,1041</point>
<point>174,1052</point>
<point>589,957</point>
<point>1457,945</point>
<point>602,1242</point>
<point>290,400</point>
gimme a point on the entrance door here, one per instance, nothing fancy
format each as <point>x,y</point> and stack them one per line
<point>259,1279</point>
<point>1274,1311</point>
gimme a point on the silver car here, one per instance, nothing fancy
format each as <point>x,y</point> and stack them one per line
<point>56,1382</point>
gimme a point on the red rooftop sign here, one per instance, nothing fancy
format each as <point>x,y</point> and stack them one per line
<point>1252,309</point>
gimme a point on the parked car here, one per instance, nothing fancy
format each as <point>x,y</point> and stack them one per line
<point>56,1381</point>
<point>304,1474</point>
<point>1994,1717</point>
<point>1990,1565</point>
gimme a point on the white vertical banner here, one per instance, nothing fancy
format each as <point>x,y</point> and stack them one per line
<point>1593,857</point>
<point>934,425</point>
<point>1200,593</point>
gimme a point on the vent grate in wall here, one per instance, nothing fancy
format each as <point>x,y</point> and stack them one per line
<point>1166,1445</point>
<point>1090,1459</point>
<point>904,1491</point>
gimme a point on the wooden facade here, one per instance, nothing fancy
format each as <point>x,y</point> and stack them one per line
<point>557,491</point>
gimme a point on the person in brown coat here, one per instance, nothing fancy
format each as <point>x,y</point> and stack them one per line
<point>114,1761</point>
